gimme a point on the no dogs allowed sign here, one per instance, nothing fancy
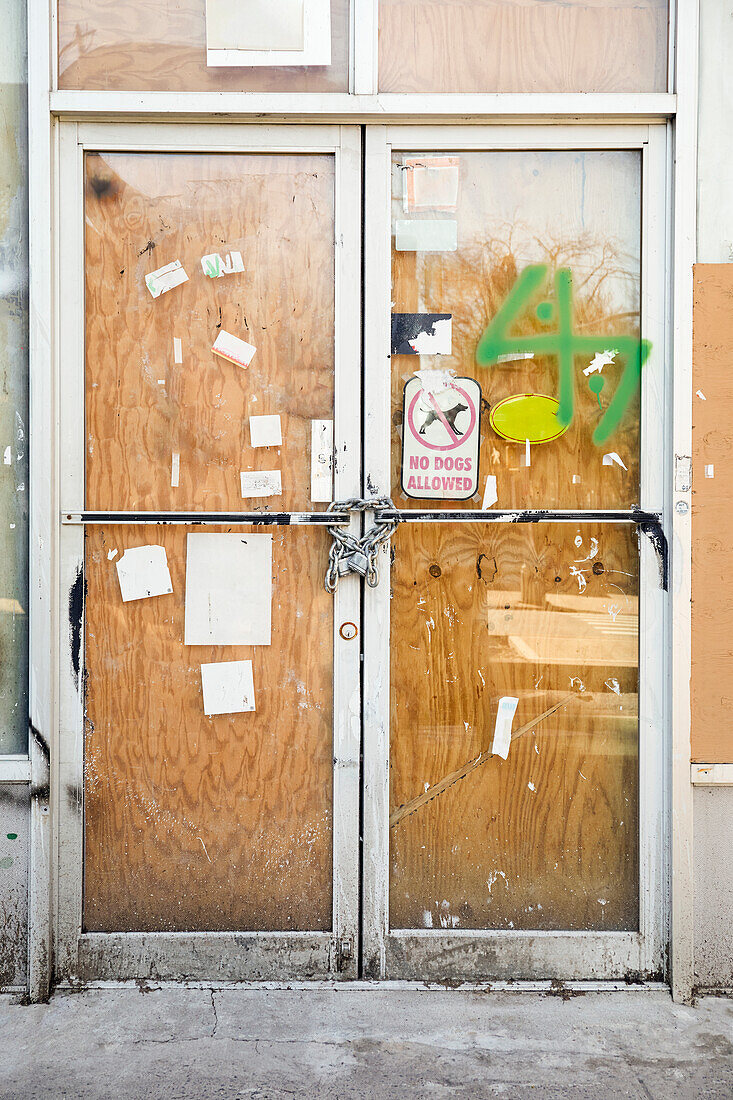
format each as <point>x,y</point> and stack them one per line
<point>441,437</point>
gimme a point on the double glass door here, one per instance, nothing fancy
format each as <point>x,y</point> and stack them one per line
<point>455,772</point>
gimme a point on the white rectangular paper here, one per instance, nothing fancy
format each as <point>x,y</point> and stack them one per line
<point>228,589</point>
<point>321,461</point>
<point>278,28</point>
<point>175,469</point>
<point>710,470</point>
<point>143,572</point>
<point>232,348</point>
<point>261,483</point>
<point>611,458</point>
<point>228,687</point>
<point>165,278</point>
<point>426,236</point>
<point>503,726</point>
<point>490,494</point>
<point>214,266</point>
<point>429,183</point>
<point>177,350</point>
<point>254,24</point>
<point>265,431</point>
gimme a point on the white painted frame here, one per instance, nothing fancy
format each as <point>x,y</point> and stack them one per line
<point>476,955</point>
<point>84,956</point>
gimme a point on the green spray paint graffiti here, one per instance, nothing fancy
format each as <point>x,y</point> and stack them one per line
<point>564,343</point>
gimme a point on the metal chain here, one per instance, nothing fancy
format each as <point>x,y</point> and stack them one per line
<point>351,554</point>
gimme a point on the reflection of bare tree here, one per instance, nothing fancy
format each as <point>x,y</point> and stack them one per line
<point>481,275</point>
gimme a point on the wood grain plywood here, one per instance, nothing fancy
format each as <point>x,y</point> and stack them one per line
<point>130,45</point>
<point>196,823</point>
<point>522,46</point>
<point>144,211</point>
<point>712,530</point>
<point>548,838</point>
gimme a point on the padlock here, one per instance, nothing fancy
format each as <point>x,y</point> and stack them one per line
<point>355,562</point>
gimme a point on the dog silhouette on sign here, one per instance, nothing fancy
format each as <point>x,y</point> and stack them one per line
<point>449,414</point>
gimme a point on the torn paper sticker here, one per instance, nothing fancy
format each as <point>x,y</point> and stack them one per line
<point>7,456</point>
<point>111,554</point>
<point>426,236</point>
<point>710,470</point>
<point>228,687</point>
<point>512,356</point>
<point>421,333</point>
<point>228,589</point>
<point>265,431</point>
<point>175,469</point>
<point>490,494</point>
<point>600,360</point>
<point>701,395</point>
<point>254,25</point>
<point>321,461</point>
<point>261,483</point>
<point>177,350</point>
<point>232,348</point>
<point>430,183</point>
<point>503,725</point>
<point>609,459</point>
<point>214,266</point>
<point>165,278</point>
<point>143,572</point>
<point>436,381</point>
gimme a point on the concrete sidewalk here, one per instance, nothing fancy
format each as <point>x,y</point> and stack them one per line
<point>179,1043</point>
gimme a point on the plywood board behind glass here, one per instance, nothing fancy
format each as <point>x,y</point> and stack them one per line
<point>540,276</point>
<point>200,814</point>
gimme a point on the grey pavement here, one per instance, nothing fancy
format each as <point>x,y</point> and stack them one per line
<point>378,1043</point>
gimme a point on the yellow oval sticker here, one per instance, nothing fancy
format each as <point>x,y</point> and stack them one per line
<point>527,416</point>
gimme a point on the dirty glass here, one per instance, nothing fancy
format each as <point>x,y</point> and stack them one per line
<point>523,45</point>
<point>198,817</point>
<point>169,422</point>
<point>547,838</point>
<point>14,389</point>
<point>537,266</point>
<point>131,45</point>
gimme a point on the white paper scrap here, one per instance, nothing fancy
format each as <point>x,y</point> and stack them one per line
<point>165,278</point>
<point>426,235</point>
<point>512,356</point>
<point>265,431</point>
<point>177,350</point>
<point>701,395</point>
<point>214,266</point>
<point>7,456</point>
<point>503,725</point>
<point>232,348</point>
<point>321,461</point>
<point>228,687</point>
<point>600,360</point>
<point>609,459</point>
<point>490,493</point>
<point>576,479</point>
<point>437,342</point>
<point>143,572</point>
<point>710,470</point>
<point>175,469</point>
<point>228,589</point>
<point>527,453</point>
<point>254,25</point>
<point>261,483</point>
<point>111,554</point>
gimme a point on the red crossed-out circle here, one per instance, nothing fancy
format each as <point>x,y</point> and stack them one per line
<point>457,440</point>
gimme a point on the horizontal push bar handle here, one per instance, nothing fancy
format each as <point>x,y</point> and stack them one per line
<point>274,519</point>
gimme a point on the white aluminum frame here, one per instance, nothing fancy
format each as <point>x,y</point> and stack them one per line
<point>84,956</point>
<point>475,955</point>
<point>47,105</point>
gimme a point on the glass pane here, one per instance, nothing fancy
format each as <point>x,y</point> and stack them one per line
<point>196,822</point>
<point>168,421</point>
<point>134,46</point>
<point>523,45</point>
<point>14,388</point>
<point>535,258</point>
<point>547,838</point>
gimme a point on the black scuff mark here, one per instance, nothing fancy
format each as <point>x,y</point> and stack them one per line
<point>40,741</point>
<point>480,569</point>
<point>148,248</point>
<point>655,533</point>
<point>77,595</point>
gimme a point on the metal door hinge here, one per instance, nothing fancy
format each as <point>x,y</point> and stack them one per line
<point>344,954</point>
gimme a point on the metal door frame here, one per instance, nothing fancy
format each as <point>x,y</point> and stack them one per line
<point>120,956</point>
<point>469,955</point>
